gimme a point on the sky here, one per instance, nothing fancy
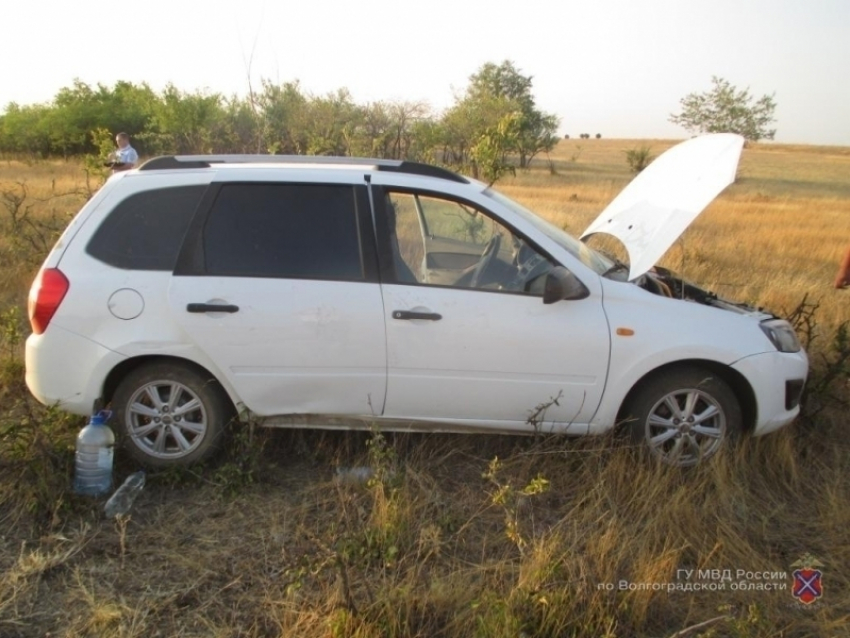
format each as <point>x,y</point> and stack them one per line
<point>614,67</point>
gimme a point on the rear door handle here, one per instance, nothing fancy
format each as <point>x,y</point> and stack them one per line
<point>211,307</point>
<point>409,314</point>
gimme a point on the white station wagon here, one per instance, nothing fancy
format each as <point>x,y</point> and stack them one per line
<point>347,293</point>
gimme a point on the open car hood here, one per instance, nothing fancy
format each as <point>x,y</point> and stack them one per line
<point>661,202</point>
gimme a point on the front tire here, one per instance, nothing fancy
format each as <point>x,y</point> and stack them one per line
<point>684,415</point>
<point>170,414</point>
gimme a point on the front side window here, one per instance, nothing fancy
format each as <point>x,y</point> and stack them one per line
<point>443,242</point>
<point>594,260</point>
<point>299,231</point>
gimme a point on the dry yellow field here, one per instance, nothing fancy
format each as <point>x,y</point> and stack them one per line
<point>556,538</point>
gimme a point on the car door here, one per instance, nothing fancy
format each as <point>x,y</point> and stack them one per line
<point>475,344</point>
<point>278,289</point>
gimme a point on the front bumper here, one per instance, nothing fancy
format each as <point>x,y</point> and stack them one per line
<point>777,380</point>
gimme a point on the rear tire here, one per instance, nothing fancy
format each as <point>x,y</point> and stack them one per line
<point>170,414</point>
<point>684,415</point>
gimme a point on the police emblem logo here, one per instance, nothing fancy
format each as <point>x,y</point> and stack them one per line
<point>808,580</point>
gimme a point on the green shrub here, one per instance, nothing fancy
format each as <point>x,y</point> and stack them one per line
<point>639,158</point>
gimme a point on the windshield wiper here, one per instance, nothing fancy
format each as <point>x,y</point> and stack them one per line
<point>617,265</point>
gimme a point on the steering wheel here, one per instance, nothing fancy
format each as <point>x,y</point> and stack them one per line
<point>490,251</point>
<point>531,268</point>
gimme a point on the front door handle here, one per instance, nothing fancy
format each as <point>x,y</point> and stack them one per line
<point>211,307</point>
<point>409,314</point>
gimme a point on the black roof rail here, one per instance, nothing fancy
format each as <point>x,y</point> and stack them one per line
<point>171,161</point>
<point>428,170</point>
<point>168,162</point>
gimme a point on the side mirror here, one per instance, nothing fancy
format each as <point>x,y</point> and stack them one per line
<point>562,284</point>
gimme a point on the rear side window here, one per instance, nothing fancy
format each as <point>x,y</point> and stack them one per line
<point>298,231</point>
<point>145,231</point>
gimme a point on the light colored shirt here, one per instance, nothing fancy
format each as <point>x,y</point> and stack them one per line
<point>126,155</point>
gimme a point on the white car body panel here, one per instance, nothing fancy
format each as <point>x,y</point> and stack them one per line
<point>661,202</point>
<point>767,374</point>
<point>494,357</point>
<point>294,346</point>
<point>52,384</point>
<point>667,330</point>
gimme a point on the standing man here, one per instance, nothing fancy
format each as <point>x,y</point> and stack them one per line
<point>125,157</point>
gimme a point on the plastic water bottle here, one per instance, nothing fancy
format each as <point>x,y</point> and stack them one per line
<point>93,460</point>
<point>122,500</point>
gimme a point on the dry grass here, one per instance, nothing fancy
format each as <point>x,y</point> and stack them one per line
<point>36,200</point>
<point>441,541</point>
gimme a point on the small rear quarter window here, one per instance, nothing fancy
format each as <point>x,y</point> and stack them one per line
<point>145,231</point>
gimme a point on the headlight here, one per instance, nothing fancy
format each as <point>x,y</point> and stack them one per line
<point>781,335</point>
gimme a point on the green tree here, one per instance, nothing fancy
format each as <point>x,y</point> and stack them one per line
<point>387,129</point>
<point>185,123</point>
<point>503,80</point>
<point>535,130</point>
<point>130,108</point>
<point>727,109</point>
<point>80,109</point>
<point>64,126</point>
<point>332,122</point>
<point>489,152</point>
<point>466,122</point>
<point>426,141</point>
<point>494,119</point>
<point>239,128</point>
<point>377,131</point>
<point>23,129</point>
<point>282,111</point>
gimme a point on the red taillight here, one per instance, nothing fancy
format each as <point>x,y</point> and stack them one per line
<point>47,292</point>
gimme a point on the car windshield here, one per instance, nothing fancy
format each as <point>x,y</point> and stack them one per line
<point>581,251</point>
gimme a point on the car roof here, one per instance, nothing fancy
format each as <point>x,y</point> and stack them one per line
<point>178,162</point>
